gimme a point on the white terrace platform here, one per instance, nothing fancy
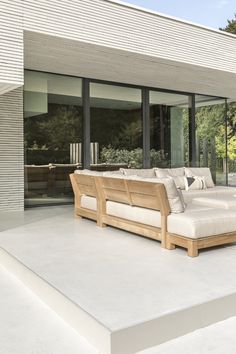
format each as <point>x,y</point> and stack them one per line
<point>122,292</point>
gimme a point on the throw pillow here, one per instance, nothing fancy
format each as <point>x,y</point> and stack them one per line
<point>201,172</point>
<point>195,183</point>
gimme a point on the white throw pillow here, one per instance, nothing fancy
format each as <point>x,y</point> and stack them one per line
<point>176,173</point>
<point>142,172</point>
<point>174,196</point>
<point>201,172</point>
<point>195,183</point>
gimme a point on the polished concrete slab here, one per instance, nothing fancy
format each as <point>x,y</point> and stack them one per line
<point>215,339</point>
<point>13,219</point>
<point>27,325</point>
<point>127,283</point>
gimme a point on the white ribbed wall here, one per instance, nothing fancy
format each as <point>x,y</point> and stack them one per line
<point>11,151</point>
<point>106,23</point>
<point>11,45</point>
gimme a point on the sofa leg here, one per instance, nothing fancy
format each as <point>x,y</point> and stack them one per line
<point>192,249</point>
<point>170,246</point>
<point>77,216</point>
<point>100,223</point>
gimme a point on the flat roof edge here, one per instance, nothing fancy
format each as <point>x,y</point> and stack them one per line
<point>173,18</point>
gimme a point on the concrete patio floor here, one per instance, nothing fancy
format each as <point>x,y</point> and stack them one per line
<point>126,283</point>
<point>28,326</point>
<point>216,339</point>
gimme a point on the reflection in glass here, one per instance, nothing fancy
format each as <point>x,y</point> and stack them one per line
<point>116,126</point>
<point>231,140</point>
<point>169,119</point>
<point>211,136</point>
<point>53,136</point>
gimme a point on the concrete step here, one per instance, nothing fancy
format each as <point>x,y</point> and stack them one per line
<point>28,326</point>
<point>218,338</point>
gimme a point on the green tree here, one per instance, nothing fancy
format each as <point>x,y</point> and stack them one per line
<point>231,26</point>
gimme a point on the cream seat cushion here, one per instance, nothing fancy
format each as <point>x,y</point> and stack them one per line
<point>215,191</point>
<point>88,202</point>
<point>224,201</point>
<point>196,222</point>
<point>133,213</point>
<point>141,215</point>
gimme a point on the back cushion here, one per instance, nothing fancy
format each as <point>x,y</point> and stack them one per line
<point>142,172</point>
<point>89,172</point>
<point>176,173</point>
<point>113,174</point>
<point>201,172</point>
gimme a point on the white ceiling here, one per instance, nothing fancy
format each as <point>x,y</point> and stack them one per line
<point>59,55</point>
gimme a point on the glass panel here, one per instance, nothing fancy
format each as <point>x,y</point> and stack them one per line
<point>116,127</point>
<point>210,136</point>
<point>53,136</point>
<point>231,137</point>
<point>169,120</point>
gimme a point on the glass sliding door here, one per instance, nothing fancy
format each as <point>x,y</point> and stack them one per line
<point>53,136</point>
<point>169,121</point>
<point>211,136</point>
<point>231,143</point>
<point>116,126</point>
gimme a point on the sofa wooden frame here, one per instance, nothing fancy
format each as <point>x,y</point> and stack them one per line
<point>134,193</point>
<point>194,245</point>
<point>141,194</point>
<point>83,185</point>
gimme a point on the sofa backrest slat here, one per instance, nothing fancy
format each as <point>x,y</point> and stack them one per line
<point>84,184</point>
<point>114,189</point>
<point>136,193</point>
<point>146,194</point>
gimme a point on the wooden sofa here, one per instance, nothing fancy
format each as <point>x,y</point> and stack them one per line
<point>149,198</point>
<point>133,193</point>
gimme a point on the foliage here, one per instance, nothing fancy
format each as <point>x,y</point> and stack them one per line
<point>209,119</point>
<point>133,158</point>
<point>231,26</point>
<point>55,130</point>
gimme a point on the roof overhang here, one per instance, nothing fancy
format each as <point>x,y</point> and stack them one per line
<point>70,57</point>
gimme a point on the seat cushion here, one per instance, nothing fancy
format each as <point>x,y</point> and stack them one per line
<point>133,213</point>
<point>225,202</point>
<point>202,221</point>
<point>88,202</point>
<point>215,191</point>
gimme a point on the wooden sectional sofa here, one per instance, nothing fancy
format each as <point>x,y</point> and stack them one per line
<point>143,207</point>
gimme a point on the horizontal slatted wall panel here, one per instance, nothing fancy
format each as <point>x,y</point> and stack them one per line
<point>115,25</point>
<point>11,151</point>
<point>11,44</point>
